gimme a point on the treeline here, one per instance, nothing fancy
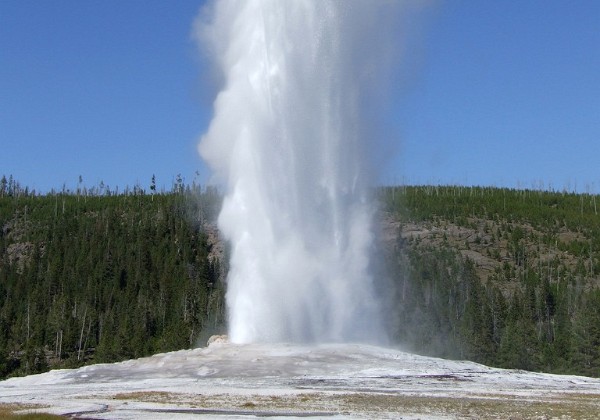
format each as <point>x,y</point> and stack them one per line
<point>101,278</point>
<point>548,210</point>
<point>540,307</point>
<point>10,187</point>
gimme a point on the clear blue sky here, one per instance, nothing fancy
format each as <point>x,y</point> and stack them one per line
<point>503,93</point>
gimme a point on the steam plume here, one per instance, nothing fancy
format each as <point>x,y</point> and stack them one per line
<point>289,141</point>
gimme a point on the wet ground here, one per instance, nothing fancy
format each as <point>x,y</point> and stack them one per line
<point>283,381</point>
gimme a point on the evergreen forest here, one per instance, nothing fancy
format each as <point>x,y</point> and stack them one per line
<point>505,277</point>
<point>508,278</point>
<point>98,276</point>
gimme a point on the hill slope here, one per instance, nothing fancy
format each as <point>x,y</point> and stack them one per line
<point>504,277</point>
<point>105,277</point>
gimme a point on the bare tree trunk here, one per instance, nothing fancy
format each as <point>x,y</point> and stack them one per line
<point>87,335</point>
<point>28,323</point>
<point>60,345</point>
<point>81,335</point>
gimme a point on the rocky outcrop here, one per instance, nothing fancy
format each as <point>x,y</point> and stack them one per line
<point>217,339</point>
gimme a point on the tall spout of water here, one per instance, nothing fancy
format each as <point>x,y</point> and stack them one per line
<point>289,141</point>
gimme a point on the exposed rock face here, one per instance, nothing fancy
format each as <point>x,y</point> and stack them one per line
<point>485,241</point>
<point>217,246</point>
<point>18,250</point>
<point>19,254</point>
<point>217,339</point>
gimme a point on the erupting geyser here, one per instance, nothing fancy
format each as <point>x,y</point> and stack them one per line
<point>289,141</point>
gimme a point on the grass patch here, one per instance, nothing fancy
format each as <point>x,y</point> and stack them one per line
<point>146,396</point>
<point>11,412</point>
<point>501,407</point>
<point>559,405</point>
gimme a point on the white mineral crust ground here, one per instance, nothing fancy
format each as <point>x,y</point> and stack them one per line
<point>282,381</point>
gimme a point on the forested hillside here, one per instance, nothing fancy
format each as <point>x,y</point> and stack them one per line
<point>509,278</point>
<point>505,277</point>
<point>95,276</point>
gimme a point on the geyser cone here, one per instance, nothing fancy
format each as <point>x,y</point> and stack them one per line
<point>289,141</point>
